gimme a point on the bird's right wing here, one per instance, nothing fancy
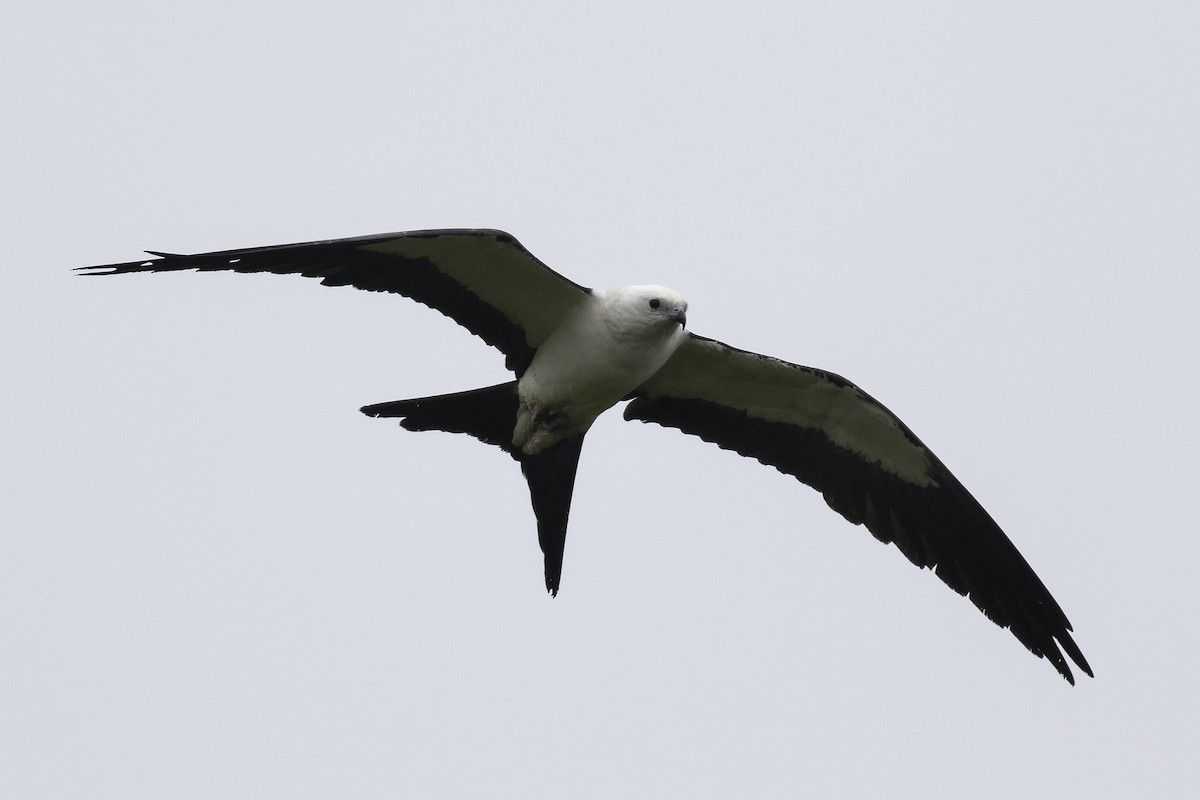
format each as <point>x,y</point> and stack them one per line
<point>482,279</point>
<point>869,466</point>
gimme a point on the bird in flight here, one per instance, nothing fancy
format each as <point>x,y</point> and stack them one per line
<point>576,352</point>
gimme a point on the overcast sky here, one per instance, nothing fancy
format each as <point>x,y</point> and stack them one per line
<point>218,579</point>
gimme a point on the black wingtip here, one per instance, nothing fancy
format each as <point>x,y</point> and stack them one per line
<point>145,265</point>
<point>1072,650</point>
<point>103,269</point>
<point>1068,644</point>
<point>1053,647</point>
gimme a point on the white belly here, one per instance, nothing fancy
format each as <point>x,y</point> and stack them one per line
<point>584,368</point>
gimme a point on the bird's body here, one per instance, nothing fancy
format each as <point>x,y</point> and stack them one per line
<point>576,352</point>
<point>606,348</point>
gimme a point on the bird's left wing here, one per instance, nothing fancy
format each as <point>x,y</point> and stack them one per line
<point>482,279</point>
<point>869,466</point>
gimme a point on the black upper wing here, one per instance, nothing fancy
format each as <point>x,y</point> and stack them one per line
<point>482,279</point>
<point>869,466</point>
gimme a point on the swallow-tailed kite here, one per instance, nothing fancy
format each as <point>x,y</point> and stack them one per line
<point>577,352</point>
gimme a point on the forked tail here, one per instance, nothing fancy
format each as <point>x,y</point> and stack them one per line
<point>551,478</point>
<point>490,414</point>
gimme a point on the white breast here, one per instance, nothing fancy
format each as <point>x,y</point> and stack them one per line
<point>596,357</point>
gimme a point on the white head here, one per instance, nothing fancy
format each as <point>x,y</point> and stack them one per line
<point>646,309</point>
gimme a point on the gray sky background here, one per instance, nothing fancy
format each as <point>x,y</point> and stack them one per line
<point>218,579</point>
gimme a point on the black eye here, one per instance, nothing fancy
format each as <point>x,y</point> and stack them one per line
<point>655,303</point>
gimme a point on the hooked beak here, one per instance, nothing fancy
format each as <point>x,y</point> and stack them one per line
<point>679,314</point>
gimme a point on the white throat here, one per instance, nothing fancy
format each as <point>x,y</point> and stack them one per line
<point>612,344</point>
